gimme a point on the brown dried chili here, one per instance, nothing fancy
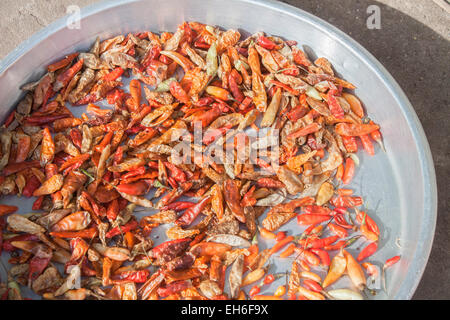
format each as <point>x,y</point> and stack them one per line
<point>90,174</point>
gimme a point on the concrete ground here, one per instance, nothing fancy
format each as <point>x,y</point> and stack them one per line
<point>413,44</point>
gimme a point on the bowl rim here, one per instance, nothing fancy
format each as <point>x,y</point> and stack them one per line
<point>426,235</point>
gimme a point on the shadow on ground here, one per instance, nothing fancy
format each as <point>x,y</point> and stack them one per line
<point>417,57</point>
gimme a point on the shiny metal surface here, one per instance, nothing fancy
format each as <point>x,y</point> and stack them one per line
<point>399,185</point>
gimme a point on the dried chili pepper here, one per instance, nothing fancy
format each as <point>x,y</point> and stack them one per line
<point>191,213</point>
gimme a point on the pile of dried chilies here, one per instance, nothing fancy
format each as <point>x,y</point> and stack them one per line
<point>88,174</point>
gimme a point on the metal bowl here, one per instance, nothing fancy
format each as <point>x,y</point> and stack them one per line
<point>399,186</point>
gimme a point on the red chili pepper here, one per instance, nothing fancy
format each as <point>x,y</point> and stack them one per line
<point>16,167</point>
<point>115,96</point>
<point>243,51</point>
<point>38,203</point>
<point>266,43</point>
<point>254,291</point>
<point>76,137</point>
<point>172,182</point>
<point>340,210</point>
<point>280,244</point>
<point>309,230</point>
<point>191,213</point>
<point>47,96</point>
<point>138,276</point>
<point>100,211</point>
<point>136,188</point>
<point>10,119</point>
<point>308,256</point>
<point>200,43</point>
<point>320,243</point>
<point>367,251</point>
<point>371,224</point>
<point>211,135</point>
<point>203,102</point>
<point>323,255</point>
<point>367,144</point>
<point>313,209</point>
<point>152,54</point>
<point>41,120</point>
<point>164,59</point>
<point>269,183</point>
<point>312,285</point>
<point>170,249</point>
<point>37,266</point>
<point>234,88</point>
<point>280,235</point>
<point>62,63</point>
<point>340,221</point>
<point>248,200</point>
<point>376,135</point>
<point>390,262</point>
<point>338,230</point>
<point>297,113</point>
<point>122,229</point>
<point>334,105</point>
<point>171,196</point>
<point>346,201</point>
<point>310,128</point>
<point>85,234</point>
<point>268,279</point>
<point>307,219</point>
<point>285,87</point>
<point>291,70</point>
<point>349,171</point>
<point>243,106</point>
<point>178,206</point>
<point>6,209</point>
<point>65,77</point>
<point>350,144</point>
<point>105,141</point>
<point>113,210</point>
<point>133,173</point>
<point>113,75</point>
<point>263,164</point>
<point>31,185</point>
<point>24,237</point>
<point>122,203</point>
<point>89,98</point>
<point>175,172</point>
<point>341,244</point>
<point>173,287</point>
<point>178,92</point>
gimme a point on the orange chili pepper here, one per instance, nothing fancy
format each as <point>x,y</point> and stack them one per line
<point>267,234</point>
<point>338,230</point>
<point>311,128</point>
<point>349,171</point>
<point>367,251</point>
<point>337,268</point>
<point>354,129</point>
<point>280,244</point>
<point>355,272</point>
<point>289,251</point>
<point>367,144</point>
